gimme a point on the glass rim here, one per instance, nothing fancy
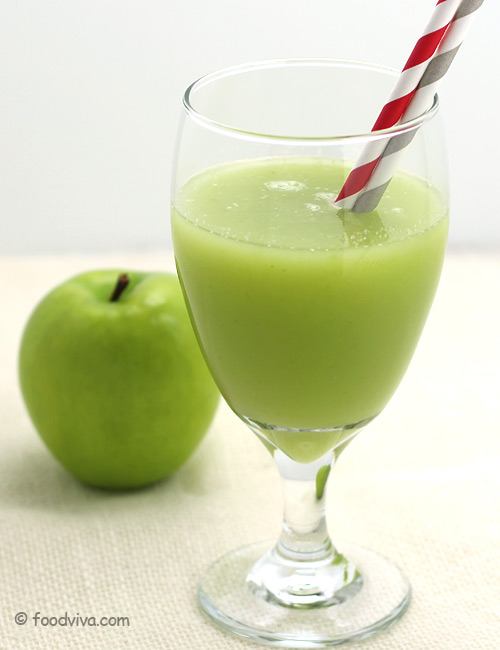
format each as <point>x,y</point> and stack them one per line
<point>398,129</point>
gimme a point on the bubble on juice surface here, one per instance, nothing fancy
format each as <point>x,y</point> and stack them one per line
<point>286,186</point>
<point>329,198</point>
<point>326,196</point>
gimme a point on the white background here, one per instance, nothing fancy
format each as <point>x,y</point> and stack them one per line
<point>91,91</point>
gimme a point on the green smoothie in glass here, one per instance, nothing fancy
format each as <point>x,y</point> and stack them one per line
<point>308,315</point>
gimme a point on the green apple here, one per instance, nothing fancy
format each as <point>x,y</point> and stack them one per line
<point>113,378</point>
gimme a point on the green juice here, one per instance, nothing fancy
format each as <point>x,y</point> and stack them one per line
<point>308,315</point>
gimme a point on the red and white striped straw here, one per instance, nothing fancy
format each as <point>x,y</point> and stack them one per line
<point>412,95</point>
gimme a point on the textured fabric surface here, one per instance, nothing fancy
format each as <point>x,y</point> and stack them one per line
<point>420,485</point>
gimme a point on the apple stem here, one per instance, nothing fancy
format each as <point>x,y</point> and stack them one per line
<point>121,284</point>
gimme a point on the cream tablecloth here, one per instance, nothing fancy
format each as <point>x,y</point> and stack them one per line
<point>421,485</point>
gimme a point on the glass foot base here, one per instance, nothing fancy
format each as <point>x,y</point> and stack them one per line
<point>227,598</point>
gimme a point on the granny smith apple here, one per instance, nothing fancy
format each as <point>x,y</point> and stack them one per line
<point>113,378</point>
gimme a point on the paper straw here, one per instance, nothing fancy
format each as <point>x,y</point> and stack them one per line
<point>430,59</point>
<point>400,97</point>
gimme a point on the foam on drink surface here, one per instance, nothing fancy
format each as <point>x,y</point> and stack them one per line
<point>289,203</point>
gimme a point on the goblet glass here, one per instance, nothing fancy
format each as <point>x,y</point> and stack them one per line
<point>307,314</point>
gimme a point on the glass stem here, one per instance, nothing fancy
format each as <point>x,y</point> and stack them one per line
<point>304,569</point>
<point>304,536</point>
